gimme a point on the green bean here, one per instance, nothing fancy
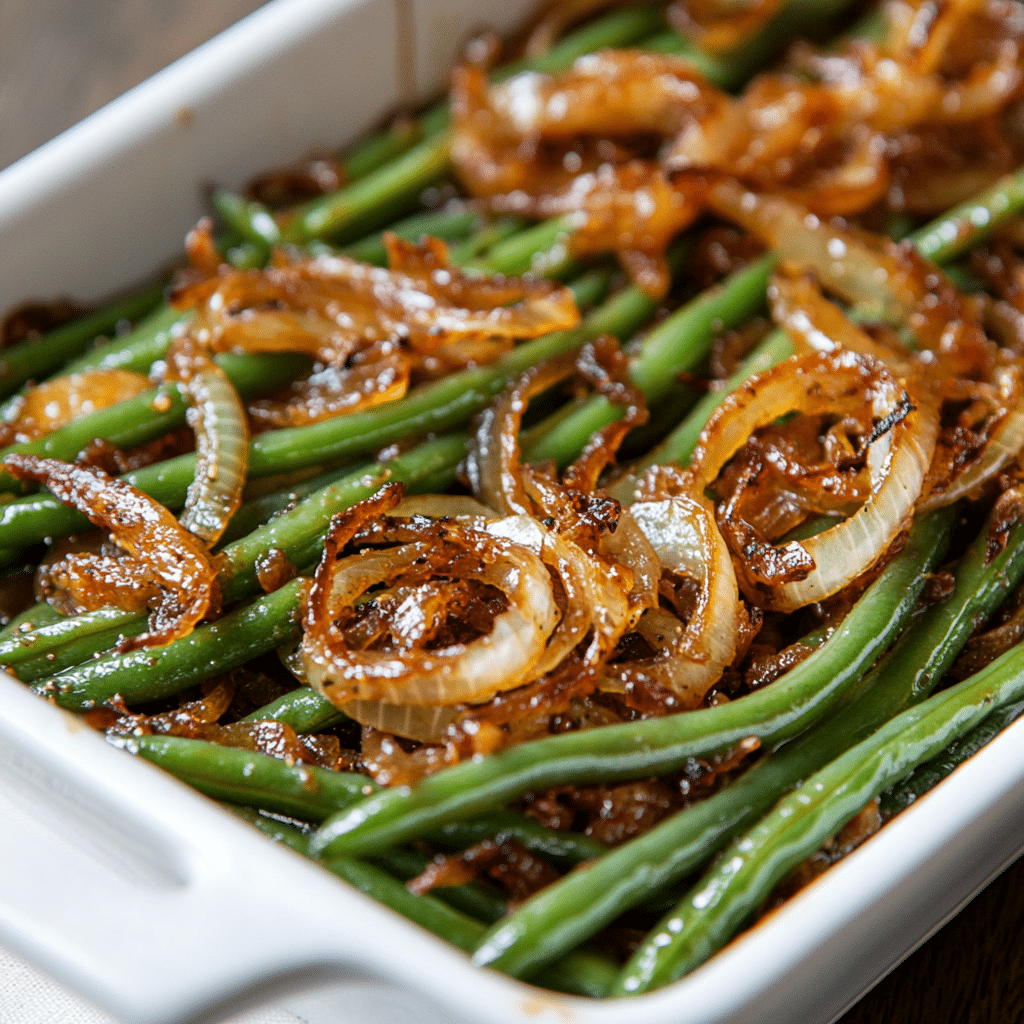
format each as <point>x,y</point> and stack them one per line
<point>566,913</point>
<point>454,913</point>
<point>25,621</point>
<point>956,231</point>
<point>279,831</point>
<point>33,359</point>
<point>928,775</point>
<point>259,511</point>
<point>560,847</point>
<point>47,638</point>
<point>373,152</point>
<point>251,219</point>
<point>491,234</point>
<point>305,710</point>
<point>249,778</point>
<point>138,349</point>
<point>754,862</point>
<point>655,746</point>
<point>457,928</point>
<point>676,345</point>
<point>580,973</point>
<point>77,647</point>
<point>476,899</point>
<point>209,650</point>
<point>450,225</point>
<point>540,250</point>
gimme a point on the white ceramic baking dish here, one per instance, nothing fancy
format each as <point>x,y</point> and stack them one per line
<point>159,906</point>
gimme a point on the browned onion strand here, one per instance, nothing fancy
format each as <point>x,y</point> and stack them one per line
<point>689,657</point>
<point>370,328</point>
<point>973,383</point>
<point>217,417</point>
<point>518,146</point>
<point>160,562</point>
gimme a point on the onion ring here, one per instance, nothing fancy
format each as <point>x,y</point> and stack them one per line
<point>450,675</point>
<point>897,452</point>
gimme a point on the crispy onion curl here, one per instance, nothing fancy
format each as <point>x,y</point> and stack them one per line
<point>977,386</point>
<point>874,445</point>
<point>584,143</point>
<point>156,563</point>
<point>601,570</point>
<point>371,328</point>
<point>433,565</point>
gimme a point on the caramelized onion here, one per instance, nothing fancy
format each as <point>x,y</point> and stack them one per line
<point>997,438</point>
<point>460,672</point>
<point>371,327</point>
<point>377,375</point>
<point>160,559</point>
<point>333,306</point>
<point>46,407</point>
<point>896,451</point>
<point>423,723</point>
<point>845,262</point>
<point>493,464</point>
<point>688,659</point>
<point>979,389</point>
<point>222,440</point>
<point>574,143</point>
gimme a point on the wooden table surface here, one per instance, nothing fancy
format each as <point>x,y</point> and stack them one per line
<point>970,972</point>
<point>61,59</point>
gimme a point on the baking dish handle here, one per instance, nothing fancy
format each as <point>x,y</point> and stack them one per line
<point>150,900</point>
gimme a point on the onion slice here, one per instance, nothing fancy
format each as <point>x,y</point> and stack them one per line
<point>48,406</point>
<point>159,554</point>
<point>898,454</point>
<point>689,659</point>
<point>458,673</point>
<point>218,419</point>
<point>333,306</point>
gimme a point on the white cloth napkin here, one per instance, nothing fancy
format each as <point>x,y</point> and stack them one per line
<point>27,996</point>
